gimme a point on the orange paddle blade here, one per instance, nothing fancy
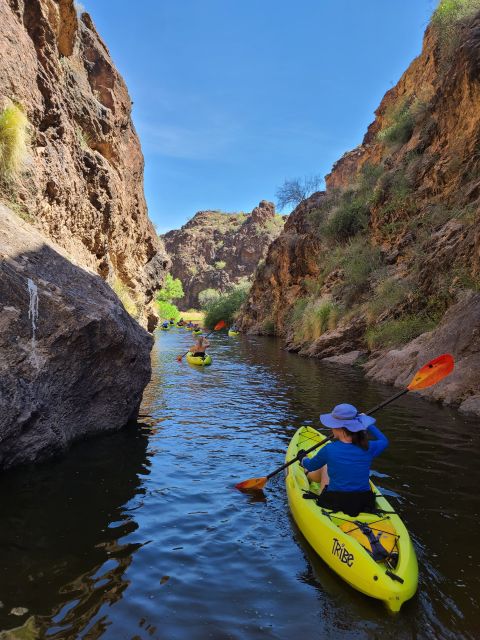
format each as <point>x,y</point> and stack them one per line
<point>254,484</point>
<point>432,372</point>
<point>220,325</point>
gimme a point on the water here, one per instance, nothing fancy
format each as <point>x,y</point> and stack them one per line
<point>141,534</point>
<point>33,317</point>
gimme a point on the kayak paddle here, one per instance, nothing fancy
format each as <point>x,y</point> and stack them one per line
<point>217,327</point>
<point>427,376</point>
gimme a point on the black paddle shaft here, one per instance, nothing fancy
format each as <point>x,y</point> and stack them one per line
<point>319,444</point>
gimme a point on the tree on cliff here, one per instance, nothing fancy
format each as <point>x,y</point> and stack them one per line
<point>293,192</point>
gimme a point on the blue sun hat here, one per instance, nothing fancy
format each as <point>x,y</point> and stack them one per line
<point>346,415</point>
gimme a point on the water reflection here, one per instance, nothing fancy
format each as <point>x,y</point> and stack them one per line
<point>141,534</point>
<point>62,555</point>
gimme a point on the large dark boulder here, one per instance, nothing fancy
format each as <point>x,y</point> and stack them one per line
<point>72,361</point>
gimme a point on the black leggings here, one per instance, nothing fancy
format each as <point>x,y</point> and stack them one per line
<point>350,502</point>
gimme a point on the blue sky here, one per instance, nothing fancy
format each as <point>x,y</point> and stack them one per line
<point>231,97</point>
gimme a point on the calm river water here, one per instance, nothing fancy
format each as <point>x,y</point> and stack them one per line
<point>141,535</point>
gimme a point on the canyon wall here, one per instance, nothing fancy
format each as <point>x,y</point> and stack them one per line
<point>217,250</point>
<point>384,266</point>
<point>81,183</point>
<point>73,229</point>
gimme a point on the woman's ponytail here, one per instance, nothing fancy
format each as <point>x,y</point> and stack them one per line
<point>359,438</point>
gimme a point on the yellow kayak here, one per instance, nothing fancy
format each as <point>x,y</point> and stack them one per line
<point>197,331</point>
<point>233,333</point>
<point>198,360</point>
<point>164,328</point>
<point>338,539</point>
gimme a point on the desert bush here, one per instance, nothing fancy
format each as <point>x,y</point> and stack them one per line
<point>226,307</point>
<point>14,139</point>
<point>125,297</point>
<point>359,259</point>
<point>388,294</point>
<point>268,327</point>
<point>220,264</point>
<point>400,124</point>
<point>85,140</point>
<point>296,312</point>
<point>349,218</point>
<point>207,296</point>
<point>318,315</point>
<point>447,20</point>
<point>397,332</point>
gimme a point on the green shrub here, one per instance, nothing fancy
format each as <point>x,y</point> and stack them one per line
<point>85,140</point>
<point>311,318</point>
<point>221,264</point>
<point>14,140</point>
<point>400,124</point>
<point>172,289</point>
<point>275,224</point>
<point>125,297</point>
<point>396,195</point>
<point>447,20</point>
<point>349,218</point>
<point>360,259</point>
<point>388,294</point>
<point>207,296</point>
<point>397,332</point>
<point>268,327</point>
<point>296,312</point>
<point>167,310</point>
<point>226,307</point>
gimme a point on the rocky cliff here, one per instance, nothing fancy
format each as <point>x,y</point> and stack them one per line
<point>72,218</point>
<point>391,250</point>
<point>217,250</point>
<point>81,180</point>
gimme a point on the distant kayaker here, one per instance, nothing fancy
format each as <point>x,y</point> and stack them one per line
<point>165,324</point>
<point>343,467</point>
<point>200,346</point>
<point>181,322</point>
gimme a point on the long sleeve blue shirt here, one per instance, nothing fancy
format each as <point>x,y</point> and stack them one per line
<point>348,464</point>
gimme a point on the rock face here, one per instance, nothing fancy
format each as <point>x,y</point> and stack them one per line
<point>280,280</point>
<point>82,184</point>
<point>415,179</point>
<point>216,250</point>
<point>72,361</point>
<point>459,334</point>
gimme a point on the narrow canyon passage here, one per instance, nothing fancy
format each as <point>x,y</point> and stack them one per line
<point>142,535</point>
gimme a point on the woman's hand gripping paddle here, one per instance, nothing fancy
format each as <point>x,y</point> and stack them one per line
<point>427,376</point>
<point>217,327</point>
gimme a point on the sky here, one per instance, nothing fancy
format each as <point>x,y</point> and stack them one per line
<point>233,97</point>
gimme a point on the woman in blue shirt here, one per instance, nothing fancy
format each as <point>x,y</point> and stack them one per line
<point>343,467</point>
